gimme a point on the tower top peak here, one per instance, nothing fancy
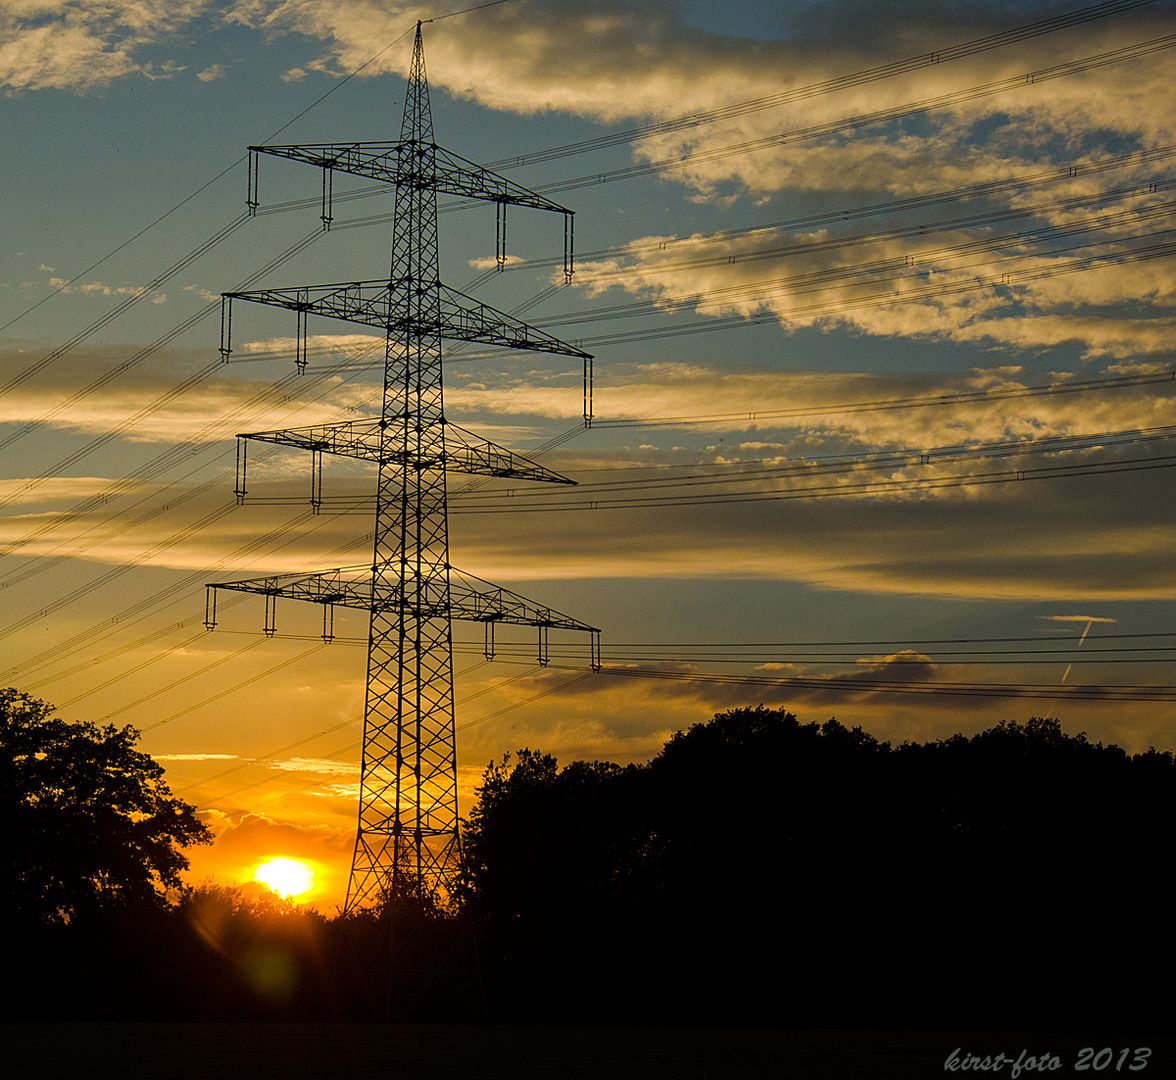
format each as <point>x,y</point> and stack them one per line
<point>417,125</point>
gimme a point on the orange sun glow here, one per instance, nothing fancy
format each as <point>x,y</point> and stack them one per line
<point>287,877</point>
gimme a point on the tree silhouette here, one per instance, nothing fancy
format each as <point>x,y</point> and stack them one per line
<point>86,819</point>
<point>763,870</point>
<point>549,858</point>
<point>540,834</point>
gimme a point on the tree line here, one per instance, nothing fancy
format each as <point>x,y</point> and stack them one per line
<point>766,870</point>
<point>758,870</point>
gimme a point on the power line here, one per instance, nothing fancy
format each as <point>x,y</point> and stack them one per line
<point>352,747</point>
<point>458,13</point>
<point>238,686</point>
<point>824,309</point>
<point>160,464</point>
<point>152,638</point>
<point>854,123</point>
<point>703,474</point>
<point>166,597</point>
<point>519,505</point>
<point>917,265</point>
<point>858,684</point>
<point>496,503</point>
<point>843,82</point>
<point>149,350</point>
<point>985,189</point>
<point>1114,382</point>
<point>679,649</point>
<point>1031,30</point>
<point>187,199</point>
<point>916,230</point>
<point>643,334</point>
<point>182,680</point>
<point>123,306</point>
<point>155,635</point>
<point>1023,651</point>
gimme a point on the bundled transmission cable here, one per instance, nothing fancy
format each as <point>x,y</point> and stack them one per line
<point>842,82</point>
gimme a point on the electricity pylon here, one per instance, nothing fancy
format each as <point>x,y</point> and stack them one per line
<point>408,841</point>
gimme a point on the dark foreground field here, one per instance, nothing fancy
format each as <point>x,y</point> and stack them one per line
<point>360,1052</point>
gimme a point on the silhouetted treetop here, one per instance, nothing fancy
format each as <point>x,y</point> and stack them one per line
<point>755,729</point>
<point>817,818</point>
<point>541,837</point>
<point>86,818</point>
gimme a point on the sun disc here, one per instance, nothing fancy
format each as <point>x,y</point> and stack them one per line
<point>287,877</point>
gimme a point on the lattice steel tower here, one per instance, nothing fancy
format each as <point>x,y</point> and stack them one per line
<point>408,817</point>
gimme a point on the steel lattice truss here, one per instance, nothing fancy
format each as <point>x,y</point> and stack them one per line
<point>459,451</point>
<point>393,308</point>
<point>403,163</point>
<point>466,597</point>
<point>408,840</point>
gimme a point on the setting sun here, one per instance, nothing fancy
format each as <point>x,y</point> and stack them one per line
<point>287,877</point>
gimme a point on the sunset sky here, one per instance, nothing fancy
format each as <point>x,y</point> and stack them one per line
<point>881,300</point>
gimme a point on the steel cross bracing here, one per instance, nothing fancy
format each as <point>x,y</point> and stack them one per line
<point>398,163</point>
<point>393,306</point>
<point>408,840</point>
<point>460,451</point>
<point>467,597</point>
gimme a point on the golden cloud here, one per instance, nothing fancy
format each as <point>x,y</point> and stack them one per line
<point>70,45</point>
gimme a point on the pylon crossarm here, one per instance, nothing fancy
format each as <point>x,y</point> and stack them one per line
<point>462,597</point>
<point>476,600</point>
<point>467,319</point>
<point>351,438</point>
<point>457,176</point>
<point>389,306</point>
<point>399,163</point>
<point>466,453</point>
<point>355,587</point>
<point>345,586</point>
<point>364,302</point>
<point>366,440</point>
